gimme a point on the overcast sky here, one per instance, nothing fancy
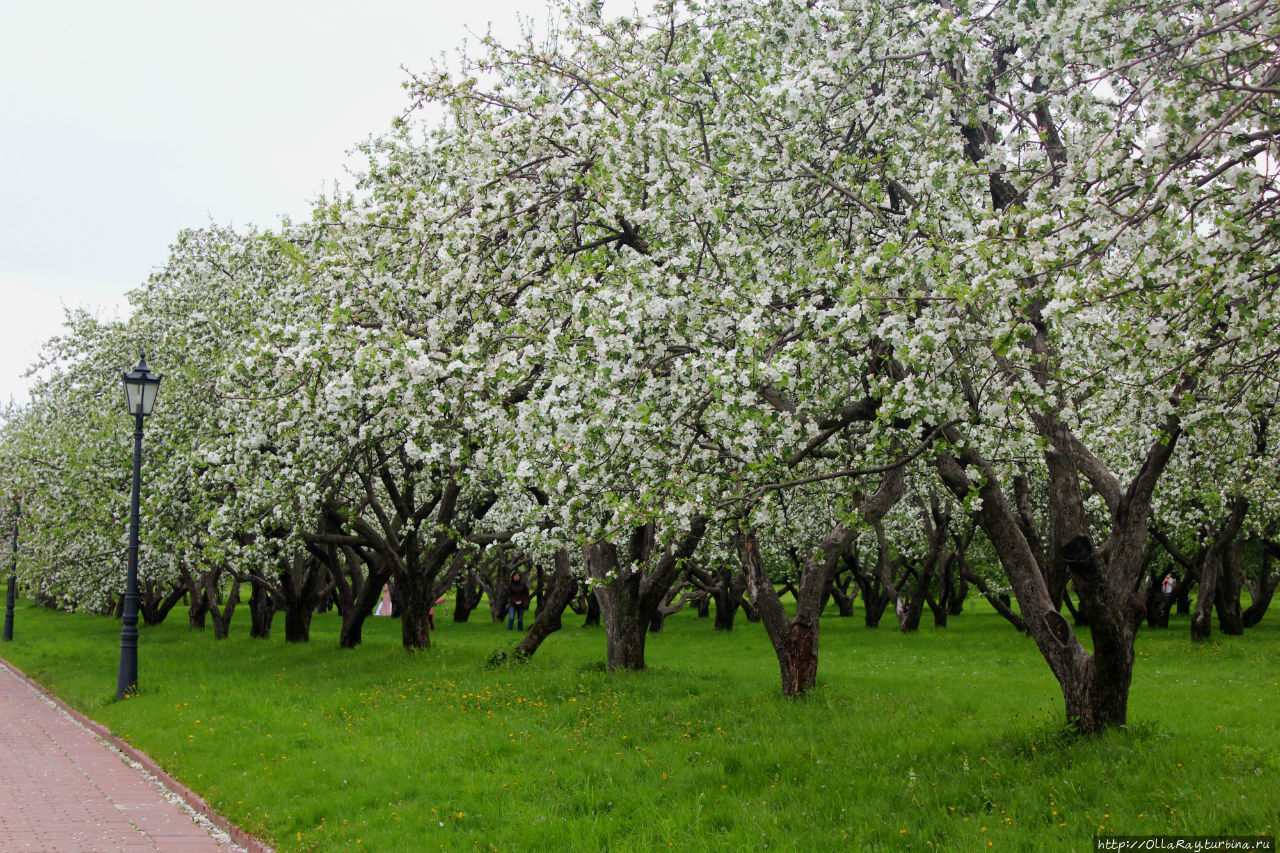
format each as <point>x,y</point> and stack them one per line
<point>122,123</point>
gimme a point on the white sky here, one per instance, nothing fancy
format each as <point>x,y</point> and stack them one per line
<point>122,123</point>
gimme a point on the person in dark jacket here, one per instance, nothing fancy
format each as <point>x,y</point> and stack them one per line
<point>517,601</point>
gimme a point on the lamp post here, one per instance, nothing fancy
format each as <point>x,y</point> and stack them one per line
<point>140,388</point>
<point>13,571</point>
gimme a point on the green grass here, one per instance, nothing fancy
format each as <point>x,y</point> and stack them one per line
<point>949,739</point>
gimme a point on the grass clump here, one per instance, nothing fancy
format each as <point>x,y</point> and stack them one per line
<point>947,739</point>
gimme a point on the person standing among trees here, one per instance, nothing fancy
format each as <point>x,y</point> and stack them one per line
<point>517,601</point>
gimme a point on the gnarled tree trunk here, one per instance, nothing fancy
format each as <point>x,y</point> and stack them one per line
<point>1095,686</point>
<point>559,590</point>
<point>592,619</point>
<point>874,597</point>
<point>198,610</point>
<point>262,610</point>
<point>154,603</point>
<point>628,594</point>
<point>728,602</point>
<point>357,609</point>
<point>222,613</point>
<point>795,640</point>
<point>1227,598</point>
<point>467,594</point>
<point>302,579</point>
<point>1263,589</point>
<point>1212,568</point>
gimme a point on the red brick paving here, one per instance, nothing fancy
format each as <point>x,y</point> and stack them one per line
<point>65,787</point>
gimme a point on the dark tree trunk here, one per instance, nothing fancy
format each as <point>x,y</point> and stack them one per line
<point>194,591</point>
<point>197,612</point>
<point>262,610</point>
<point>303,578</point>
<point>721,586</point>
<point>1097,694</point>
<point>799,661</point>
<point>937,608</point>
<point>352,632</point>
<point>913,586</point>
<point>1214,567</point>
<point>1227,598</point>
<point>624,635</point>
<point>539,589</point>
<point>558,593</point>
<point>1263,590</point>
<point>727,606</point>
<point>873,608</point>
<point>414,590</point>
<point>297,624</point>
<point>795,640</point>
<point>154,606</point>
<point>912,610</point>
<point>1098,699</point>
<point>361,608</point>
<point>222,615</point>
<point>421,584</point>
<point>416,595</point>
<point>1095,685</point>
<point>703,607</point>
<point>497,592</point>
<point>844,602</point>
<point>356,591</point>
<point>618,591</point>
<point>629,595</point>
<point>954,587</point>
<point>1157,602</point>
<point>955,604</point>
<point>673,602</point>
<point>874,597</point>
<point>592,619</point>
<point>466,596</point>
<point>913,604</point>
<point>1258,607</point>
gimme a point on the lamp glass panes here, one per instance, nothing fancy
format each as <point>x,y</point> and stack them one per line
<point>140,388</point>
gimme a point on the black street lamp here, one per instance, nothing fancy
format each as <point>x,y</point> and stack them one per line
<point>140,388</point>
<point>13,571</point>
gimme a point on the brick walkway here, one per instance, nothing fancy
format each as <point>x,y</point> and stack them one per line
<point>67,786</point>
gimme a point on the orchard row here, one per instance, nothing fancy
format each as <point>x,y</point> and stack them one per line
<point>729,298</point>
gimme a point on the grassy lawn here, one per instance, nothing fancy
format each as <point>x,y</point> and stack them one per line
<point>950,739</point>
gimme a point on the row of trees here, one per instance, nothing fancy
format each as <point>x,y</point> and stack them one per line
<point>728,293</point>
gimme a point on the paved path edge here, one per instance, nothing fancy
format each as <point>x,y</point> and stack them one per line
<point>190,797</point>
